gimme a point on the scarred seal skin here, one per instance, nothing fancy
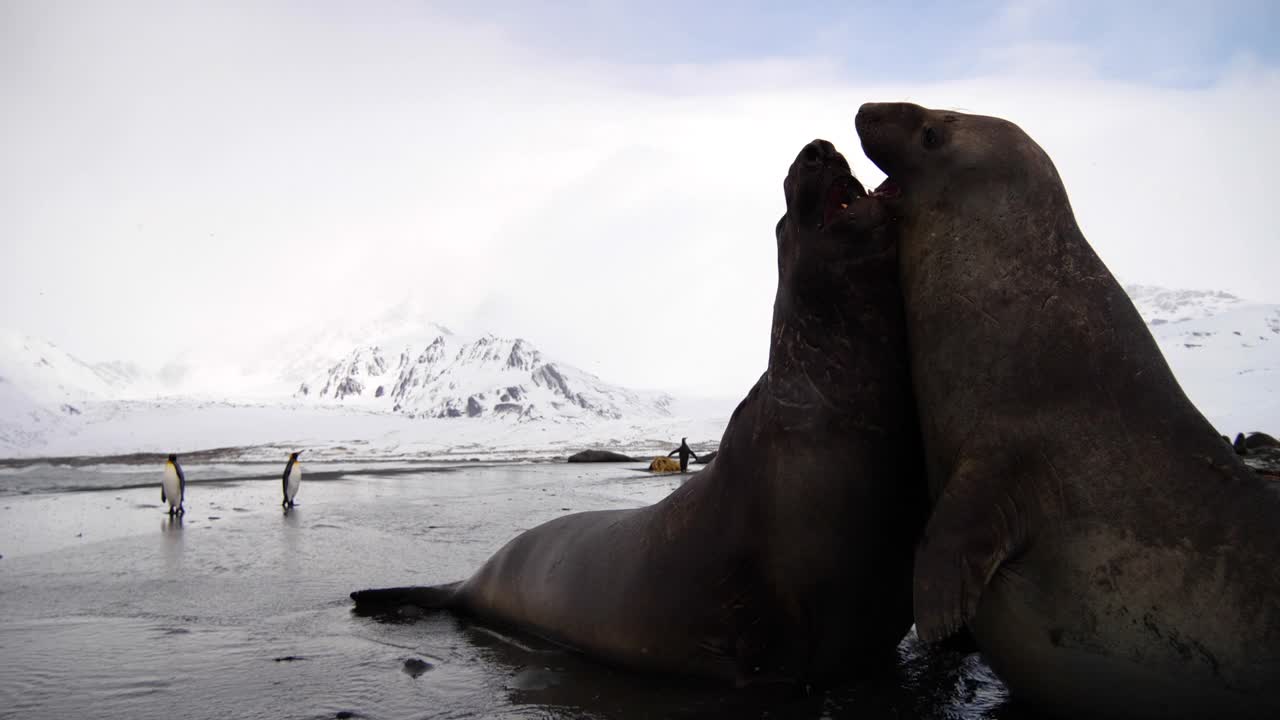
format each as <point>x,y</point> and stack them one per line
<point>1108,551</point>
<point>788,559</point>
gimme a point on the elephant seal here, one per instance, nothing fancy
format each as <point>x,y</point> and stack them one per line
<point>598,456</point>
<point>1257,440</point>
<point>1254,441</point>
<point>1109,553</point>
<point>789,557</point>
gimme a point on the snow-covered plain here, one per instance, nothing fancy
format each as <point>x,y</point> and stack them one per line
<point>402,387</point>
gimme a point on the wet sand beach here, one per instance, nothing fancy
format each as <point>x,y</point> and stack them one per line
<point>110,609</point>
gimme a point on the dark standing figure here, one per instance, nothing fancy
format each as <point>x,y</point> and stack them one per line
<point>292,479</point>
<point>685,452</point>
<point>1240,446</point>
<point>173,487</point>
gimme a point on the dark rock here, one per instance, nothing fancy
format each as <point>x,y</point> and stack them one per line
<point>522,357</point>
<point>549,376</point>
<point>379,392</point>
<point>589,456</point>
<point>415,667</point>
<point>349,386</point>
<point>1265,461</point>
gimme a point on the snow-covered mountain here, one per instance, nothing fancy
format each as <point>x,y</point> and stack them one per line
<point>331,383</point>
<point>400,382</point>
<point>451,378</point>
<point>1225,352</point>
<point>42,386</point>
<point>52,377</point>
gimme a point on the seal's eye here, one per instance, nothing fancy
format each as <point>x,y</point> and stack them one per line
<point>931,138</point>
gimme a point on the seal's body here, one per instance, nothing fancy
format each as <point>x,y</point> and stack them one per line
<point>1109,552</point>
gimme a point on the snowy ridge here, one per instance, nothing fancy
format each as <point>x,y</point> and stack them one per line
<point>490,376</point>
<point>1229,365</point>
<point>1161,305</point>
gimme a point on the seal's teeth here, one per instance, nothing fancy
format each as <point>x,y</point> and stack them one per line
<point>844,206</point>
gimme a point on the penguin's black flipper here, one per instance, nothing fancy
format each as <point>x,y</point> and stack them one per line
<point>163,499</point>
<point>386,601</point>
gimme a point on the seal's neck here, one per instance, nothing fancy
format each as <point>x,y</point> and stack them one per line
<point>833,324</point>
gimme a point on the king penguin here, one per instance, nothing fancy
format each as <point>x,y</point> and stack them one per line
<point>292,479</point>
<point>174,486</point>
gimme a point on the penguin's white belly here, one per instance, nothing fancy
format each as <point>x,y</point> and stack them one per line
<point>291,485</point>
<point>172,486</point>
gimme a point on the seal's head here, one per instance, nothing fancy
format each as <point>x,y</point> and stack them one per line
<point>823,196</point>
<point>830,224</point>
<point>940,155</point>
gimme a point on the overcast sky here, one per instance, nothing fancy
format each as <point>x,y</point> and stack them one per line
<point>600,178</point>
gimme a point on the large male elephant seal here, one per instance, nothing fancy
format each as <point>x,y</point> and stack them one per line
<point>789,557</point>
<point>1109,553</point>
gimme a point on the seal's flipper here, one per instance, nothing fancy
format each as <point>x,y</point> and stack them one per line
<point>960,642</point>
<point>975,526</point>
<point>433,597</point>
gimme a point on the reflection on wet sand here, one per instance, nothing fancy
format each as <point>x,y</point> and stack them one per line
<point>97,606</point>
<point>920,682</point>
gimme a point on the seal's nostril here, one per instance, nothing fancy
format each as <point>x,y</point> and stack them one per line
<point>810,153</point>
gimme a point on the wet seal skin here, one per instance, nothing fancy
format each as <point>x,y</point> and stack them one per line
<point>1110,554</point>
<point>788,559</point>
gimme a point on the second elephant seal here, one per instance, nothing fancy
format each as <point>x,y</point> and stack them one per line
<point>1111,556</point>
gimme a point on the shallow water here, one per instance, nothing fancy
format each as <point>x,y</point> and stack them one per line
<point>108,608</point>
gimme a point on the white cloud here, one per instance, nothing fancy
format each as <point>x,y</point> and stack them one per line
<point>213,180</point>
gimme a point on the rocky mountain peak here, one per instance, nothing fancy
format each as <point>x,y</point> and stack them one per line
<point>488,376</point>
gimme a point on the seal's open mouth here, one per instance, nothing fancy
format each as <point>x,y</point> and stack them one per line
<point>840,196</point>
<point>887,189</point>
